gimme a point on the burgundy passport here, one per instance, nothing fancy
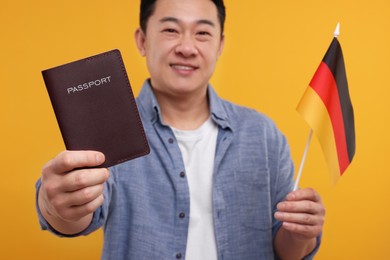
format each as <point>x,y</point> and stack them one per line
<point>95,107</point>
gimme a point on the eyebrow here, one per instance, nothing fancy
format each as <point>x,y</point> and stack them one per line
<point>175,20</point>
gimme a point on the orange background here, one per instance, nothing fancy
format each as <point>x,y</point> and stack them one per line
<point>272,50</point>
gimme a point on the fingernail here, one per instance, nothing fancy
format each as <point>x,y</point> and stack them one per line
<point>286,224</point>
<point>99,158</point>
<point>278,214</point>
<point>291,196</point>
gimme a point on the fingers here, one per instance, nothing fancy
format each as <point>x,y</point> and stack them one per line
<point>300,218</point>
<point>78,212</point>
<point>302,213</point>
<point>304,194</point>
<point>80,179</point>
<point>76,198</point>
<point>84,196</point>
<point>304,201</point>
<point>69,160</point>
<point>74,206</point>
<point>304,206</point>
<point>303,232</point>
<point>69,192</point>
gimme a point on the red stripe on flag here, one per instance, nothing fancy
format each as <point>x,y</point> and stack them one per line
<point>324,84</point>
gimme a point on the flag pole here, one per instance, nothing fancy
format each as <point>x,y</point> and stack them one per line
<point>303,160</point>
<point>336,33</point>
<point>337,30</point>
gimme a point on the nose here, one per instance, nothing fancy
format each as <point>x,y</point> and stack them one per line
<point>186,46</point>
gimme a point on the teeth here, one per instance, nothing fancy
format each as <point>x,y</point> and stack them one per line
<point>181,67</point>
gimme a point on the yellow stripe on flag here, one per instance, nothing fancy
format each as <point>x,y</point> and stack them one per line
<point>316,116</point>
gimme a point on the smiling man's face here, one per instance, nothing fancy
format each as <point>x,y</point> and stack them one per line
<point>182,44</point>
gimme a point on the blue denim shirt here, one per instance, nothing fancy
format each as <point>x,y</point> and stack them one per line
<point>144,198</point>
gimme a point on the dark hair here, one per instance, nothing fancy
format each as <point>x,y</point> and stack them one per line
<point>148,6</point>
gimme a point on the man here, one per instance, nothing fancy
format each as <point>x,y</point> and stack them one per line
<point>217,183</point>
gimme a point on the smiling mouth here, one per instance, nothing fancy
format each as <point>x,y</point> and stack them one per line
<point>183,67</point>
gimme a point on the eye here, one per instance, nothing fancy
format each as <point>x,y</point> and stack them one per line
<point>169,31</point>
<point>204,33</point>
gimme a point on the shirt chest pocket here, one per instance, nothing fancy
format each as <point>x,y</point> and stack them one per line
<point>253,199</point>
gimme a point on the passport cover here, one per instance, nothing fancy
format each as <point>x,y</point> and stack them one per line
<point>95,107</point>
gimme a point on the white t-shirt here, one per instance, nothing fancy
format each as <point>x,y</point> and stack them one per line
<point>198,151</point>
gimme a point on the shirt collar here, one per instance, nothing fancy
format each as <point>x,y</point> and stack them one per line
<point>150,106</point>
<point>217,109</point>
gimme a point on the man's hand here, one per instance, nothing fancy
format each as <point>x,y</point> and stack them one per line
<point>68,195</point>
<point>302,214</point>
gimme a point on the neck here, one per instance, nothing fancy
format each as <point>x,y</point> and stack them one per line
<point>184,112</point>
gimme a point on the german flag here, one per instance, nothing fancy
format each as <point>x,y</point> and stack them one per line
<point>327,108</point>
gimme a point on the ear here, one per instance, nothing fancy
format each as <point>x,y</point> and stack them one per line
<point>140,41</point>
<point>221,45</point>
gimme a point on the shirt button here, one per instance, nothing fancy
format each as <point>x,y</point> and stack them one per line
<point>182,215</point>
<point>182,174</point>
<point>178,256</point>
<point>170,140</point>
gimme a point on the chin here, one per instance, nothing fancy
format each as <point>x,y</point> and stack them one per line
<point>187,89</point>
